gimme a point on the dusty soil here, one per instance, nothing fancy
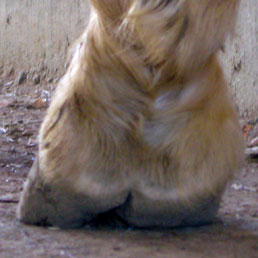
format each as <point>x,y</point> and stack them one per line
<point>22,108</point>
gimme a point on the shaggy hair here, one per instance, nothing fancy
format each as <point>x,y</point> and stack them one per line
<point>141,121</point>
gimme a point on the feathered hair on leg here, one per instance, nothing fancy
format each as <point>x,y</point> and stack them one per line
<point>141,128</point>
<point>181,31</point>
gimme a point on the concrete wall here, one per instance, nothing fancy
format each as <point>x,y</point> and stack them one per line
<point>35,36</point>
<point>241,60</point>
<point>37,33</point>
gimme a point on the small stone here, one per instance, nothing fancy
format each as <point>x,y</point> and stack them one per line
<point>50,80</point>
<point>36,79</point>
<point>8,83</point>
<point>252,152</point>
<point>254,142</point>
<point>37,104</point>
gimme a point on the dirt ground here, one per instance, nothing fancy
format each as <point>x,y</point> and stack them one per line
<point>22,107</point>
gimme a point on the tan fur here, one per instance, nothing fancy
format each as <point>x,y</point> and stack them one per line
<point>141,122</point>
